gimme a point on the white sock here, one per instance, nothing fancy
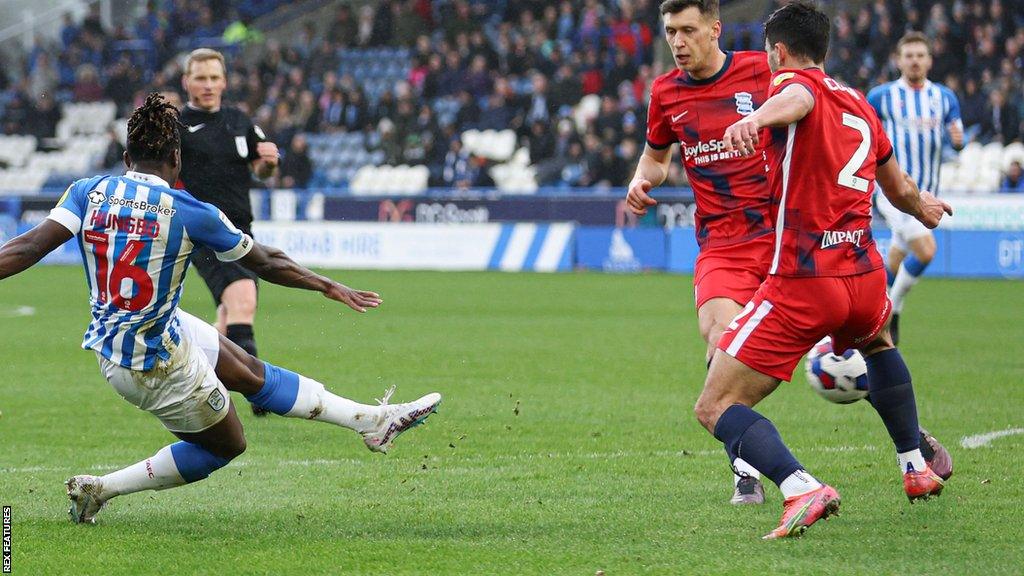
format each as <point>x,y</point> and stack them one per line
<point>314,402</point>
<point>797,483</point>
<point>900,288</point>
<point>742,466</point>
<point>158,472</point>
<point>912,460</point>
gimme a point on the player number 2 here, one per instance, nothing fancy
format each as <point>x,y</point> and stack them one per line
<point>124,270</point>
<point>848,175</point>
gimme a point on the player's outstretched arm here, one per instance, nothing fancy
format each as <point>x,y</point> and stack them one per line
<point>902,191</point>
<point>651,171</point>
<point>23,252</point>
<point>273,265</point>
<point>788,106</point>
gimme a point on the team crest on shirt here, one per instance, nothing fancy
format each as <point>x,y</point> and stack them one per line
<point>242,146</point>
<point>97,197</point>
<point>216,400</point>
<point>744,103</point>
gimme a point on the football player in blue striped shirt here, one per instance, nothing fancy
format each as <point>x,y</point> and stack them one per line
<point>920,117</point>
<point>136,235</point>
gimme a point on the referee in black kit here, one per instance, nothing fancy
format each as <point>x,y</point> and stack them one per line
<point>220,151</point>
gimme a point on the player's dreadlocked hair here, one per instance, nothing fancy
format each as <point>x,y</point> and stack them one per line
<point>153,130</point>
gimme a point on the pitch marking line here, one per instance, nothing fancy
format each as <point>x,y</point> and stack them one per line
<point>17,312</point>
<point>979,440</point>
<point>321,462</point>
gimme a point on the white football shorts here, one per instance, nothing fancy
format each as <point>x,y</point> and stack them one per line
<point>905,228</point>
<point>200,334</point>
<point>183,391</point>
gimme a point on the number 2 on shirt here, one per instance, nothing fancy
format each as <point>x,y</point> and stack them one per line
<point>848,176</point>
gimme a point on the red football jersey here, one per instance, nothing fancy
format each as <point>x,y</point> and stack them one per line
<point>733,197</point>
<point>824,178</point>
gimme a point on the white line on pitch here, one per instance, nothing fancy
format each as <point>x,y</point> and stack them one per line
<point>320,462</point>
<point>17,311</point>
<point>979,440</point>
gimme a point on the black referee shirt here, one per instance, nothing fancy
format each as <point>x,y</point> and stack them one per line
<point>217,149</point>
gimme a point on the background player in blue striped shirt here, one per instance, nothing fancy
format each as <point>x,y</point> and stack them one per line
<point>136,235</point>
<point>918,115</point>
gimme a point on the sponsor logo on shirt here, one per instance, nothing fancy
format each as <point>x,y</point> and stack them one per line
<point>97,197</point>
<point>143,206</point>
<point>707,152</point>
<point>836,237</point>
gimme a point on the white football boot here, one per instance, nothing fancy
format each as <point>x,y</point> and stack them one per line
<point>394,419</point>
<point>84,493</point>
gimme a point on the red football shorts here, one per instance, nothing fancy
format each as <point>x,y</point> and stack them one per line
<point>787,316</point>
<point>733,271</point>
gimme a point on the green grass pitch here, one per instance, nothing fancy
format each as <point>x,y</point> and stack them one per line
<point>565,444</point>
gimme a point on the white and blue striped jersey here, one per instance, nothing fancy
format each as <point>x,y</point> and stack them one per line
<point>917,121</point>
<point>136,234</point>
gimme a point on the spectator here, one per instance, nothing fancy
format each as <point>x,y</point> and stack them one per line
<point>1013,182</point>
<point>344,30</point>
<point>609,169</point>
<point>44,77</point>
<point>87,85</point>
<point>122,85</point>
<point>68,31</point>
<point>42,118</point>
<point>973,105</point>
<point>296,167</point>
<point>1002,119</point>
<point>113,158</point>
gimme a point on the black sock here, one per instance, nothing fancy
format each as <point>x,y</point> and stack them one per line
<point>754,438</point>
<point>242,335</point>
<point>892,396</point>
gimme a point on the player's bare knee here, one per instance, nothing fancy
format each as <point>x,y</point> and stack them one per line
<point>707,410</point>
<point>255,366</point>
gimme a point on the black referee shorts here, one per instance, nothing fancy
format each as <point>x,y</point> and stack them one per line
<point>219,275</point>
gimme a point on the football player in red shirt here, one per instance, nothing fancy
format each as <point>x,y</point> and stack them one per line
<point>826,276</point>
<point>694,104</point>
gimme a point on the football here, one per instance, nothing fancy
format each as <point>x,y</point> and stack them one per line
<point>840,379</point>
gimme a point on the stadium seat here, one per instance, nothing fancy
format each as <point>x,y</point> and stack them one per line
<point>1012,152</point>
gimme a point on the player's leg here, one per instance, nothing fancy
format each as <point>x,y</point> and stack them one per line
<point>293,395</point>
<point>234,292</point>
<point>725,409</point>
<point>188,399</point>
<point>892,396</point>
<point>724,280</point>
<point>237,312</point>
<point>761,347</point>
<point>921,246</point>
<point>713,317</point>
<point>289,394</point>
<point>889,381</point>
<point>239,301</point>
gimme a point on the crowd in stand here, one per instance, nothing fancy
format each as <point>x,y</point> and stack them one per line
<point>492,64</point>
